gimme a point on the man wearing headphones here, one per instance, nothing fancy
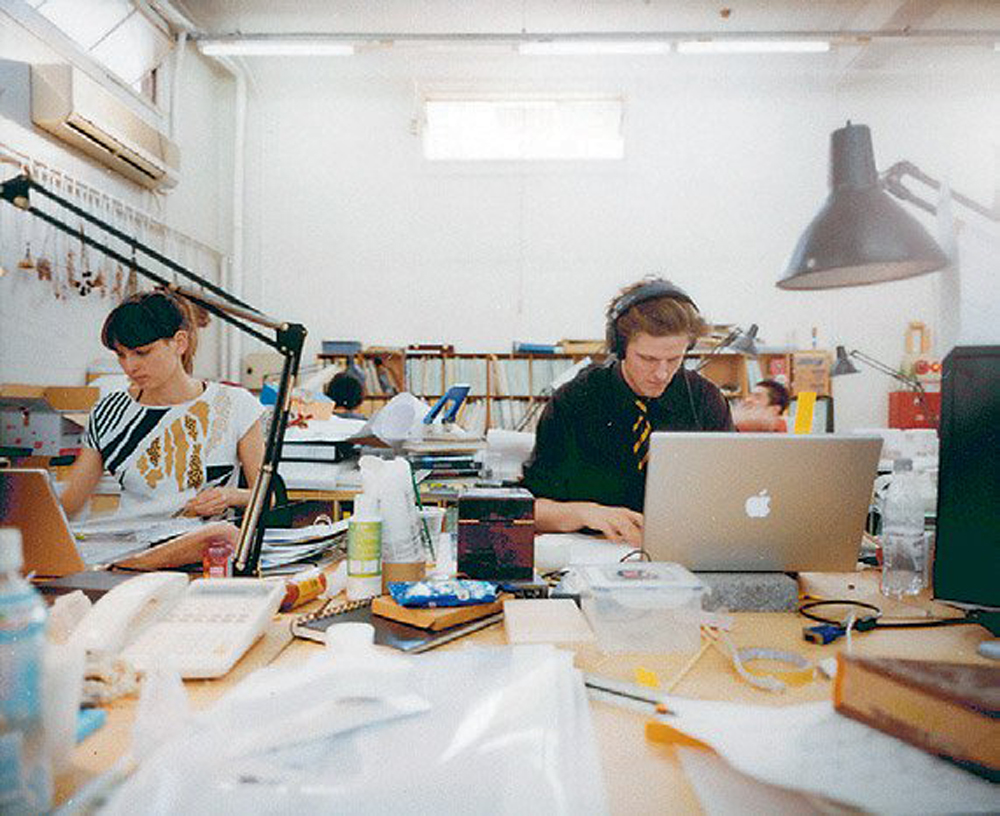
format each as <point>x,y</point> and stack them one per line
<point>588,468</point>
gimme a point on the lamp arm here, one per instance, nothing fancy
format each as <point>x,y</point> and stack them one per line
<point>288,339</point>
<point>909,381</point>
<point>878,365</point>
<point>892,181</point>
<point>718,349</point>
<point>17,189</point>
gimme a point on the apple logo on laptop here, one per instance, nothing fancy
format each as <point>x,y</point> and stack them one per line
<point>758,506</point>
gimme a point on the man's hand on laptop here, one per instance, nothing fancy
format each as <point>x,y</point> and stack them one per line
<point>614,523</point>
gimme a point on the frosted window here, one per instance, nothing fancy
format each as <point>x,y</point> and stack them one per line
<point>115,33</point>
<point>523,129</point>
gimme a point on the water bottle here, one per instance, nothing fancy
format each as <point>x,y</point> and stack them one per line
<point>904,549</point>
<point>25,767</point>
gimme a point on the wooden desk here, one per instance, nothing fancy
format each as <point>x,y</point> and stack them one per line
<point>640,777</point>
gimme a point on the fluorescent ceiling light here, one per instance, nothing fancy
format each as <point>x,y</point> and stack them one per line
<point>274,48</point>
<point>752,46</point>
<point>568,47</point>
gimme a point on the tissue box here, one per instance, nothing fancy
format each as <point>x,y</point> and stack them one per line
<point>496,533</point>
<point>642,606</point>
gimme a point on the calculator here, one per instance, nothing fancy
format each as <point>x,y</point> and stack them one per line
<point>210,626</point>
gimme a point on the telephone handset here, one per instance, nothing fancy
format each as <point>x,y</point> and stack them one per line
<point>125,609</point>
<point>200,628</point>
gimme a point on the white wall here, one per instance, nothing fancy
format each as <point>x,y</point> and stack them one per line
<point>45,340</point>
<point>352,233</point>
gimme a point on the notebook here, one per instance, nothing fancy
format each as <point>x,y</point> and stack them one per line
<point>742,502</point>
<point>388,632</point>
<point>28,502</point>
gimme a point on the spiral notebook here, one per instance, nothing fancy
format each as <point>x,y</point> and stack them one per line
<point>388,632</point>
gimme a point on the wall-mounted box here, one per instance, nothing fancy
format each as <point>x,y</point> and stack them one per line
<point>47,419</point>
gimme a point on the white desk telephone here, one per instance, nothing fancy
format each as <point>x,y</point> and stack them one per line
<point>200,627</point>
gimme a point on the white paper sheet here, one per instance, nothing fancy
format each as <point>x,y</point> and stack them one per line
<point>814,749</point>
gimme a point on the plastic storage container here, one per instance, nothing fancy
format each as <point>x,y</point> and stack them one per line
<point>643,606</point>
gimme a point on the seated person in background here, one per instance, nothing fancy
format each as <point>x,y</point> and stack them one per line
<point>173,442</point>
<point>347,393</point>
<point>763,408</point>
<point>588,468</point>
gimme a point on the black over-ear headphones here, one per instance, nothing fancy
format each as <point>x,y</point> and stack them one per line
<point>651,290</point>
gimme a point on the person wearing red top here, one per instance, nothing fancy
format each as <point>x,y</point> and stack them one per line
<point>763,409</point>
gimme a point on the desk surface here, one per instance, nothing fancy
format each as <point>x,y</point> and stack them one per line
<point>640,777</point>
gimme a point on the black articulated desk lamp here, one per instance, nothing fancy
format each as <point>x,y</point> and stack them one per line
<point>843,365</point>
<point>861,236</point>
<point>737,341</point>
<point>288,339</point>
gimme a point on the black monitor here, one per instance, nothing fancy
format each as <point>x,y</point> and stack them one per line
<point>967,550</point>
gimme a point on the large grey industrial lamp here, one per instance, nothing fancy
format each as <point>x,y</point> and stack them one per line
<point>861,235</point>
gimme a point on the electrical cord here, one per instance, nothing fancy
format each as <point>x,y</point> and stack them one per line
<point>831,629</point>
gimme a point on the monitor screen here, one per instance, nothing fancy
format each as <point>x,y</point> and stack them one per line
<point>967,548</point>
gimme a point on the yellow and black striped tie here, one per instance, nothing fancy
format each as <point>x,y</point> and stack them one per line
<point>641,430</point>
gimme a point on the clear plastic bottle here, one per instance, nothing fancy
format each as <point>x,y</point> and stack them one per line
<point>904,548</point>
<point>25,767</point>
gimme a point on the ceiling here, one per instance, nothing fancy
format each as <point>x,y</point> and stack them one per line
<point>727,17</point>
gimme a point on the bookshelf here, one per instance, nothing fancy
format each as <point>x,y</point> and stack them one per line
<point>505,387</point>
<point>383,368</point>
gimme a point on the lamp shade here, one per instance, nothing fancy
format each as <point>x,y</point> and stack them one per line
<point>861,235</point>
<point>745,342</point>
<point>843,364</point>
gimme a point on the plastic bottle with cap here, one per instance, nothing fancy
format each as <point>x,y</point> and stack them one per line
<point>904,547</point>
<point>25,764</point>
<point>364,549</point>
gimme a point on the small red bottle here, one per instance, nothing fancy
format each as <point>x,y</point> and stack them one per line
<point>217,559</point>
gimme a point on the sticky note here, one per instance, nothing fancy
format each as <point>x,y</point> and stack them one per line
<point>647,678</point>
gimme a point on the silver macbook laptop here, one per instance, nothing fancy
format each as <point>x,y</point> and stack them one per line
<point>741,502</point>
<point>28,502</point>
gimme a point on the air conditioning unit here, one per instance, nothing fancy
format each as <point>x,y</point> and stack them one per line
<point>76,108</point>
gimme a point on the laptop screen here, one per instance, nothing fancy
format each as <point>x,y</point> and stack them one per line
<point>758,502</point>
<point>28,502</point>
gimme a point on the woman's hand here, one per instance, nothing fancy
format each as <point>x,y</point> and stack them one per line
<point>213,502</point>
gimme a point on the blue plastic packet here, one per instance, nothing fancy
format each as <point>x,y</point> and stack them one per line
<point>430,594</point>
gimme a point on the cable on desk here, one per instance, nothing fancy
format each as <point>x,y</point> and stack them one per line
<point>832,629</point>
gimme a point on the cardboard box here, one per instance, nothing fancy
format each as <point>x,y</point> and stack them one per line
<point>811,372</point>
<point>49,420</point>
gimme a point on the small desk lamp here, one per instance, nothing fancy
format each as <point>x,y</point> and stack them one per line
<point>288,340</point>
<point>861,236</point>
<point>844,365</point>
<point>737,341</point>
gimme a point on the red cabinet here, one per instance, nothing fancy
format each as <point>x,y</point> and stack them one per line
<point>908,409</point>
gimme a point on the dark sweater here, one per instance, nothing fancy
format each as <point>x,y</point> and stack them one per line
<point>584,438</point>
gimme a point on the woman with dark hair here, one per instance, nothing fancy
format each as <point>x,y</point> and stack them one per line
<point>174,443</point>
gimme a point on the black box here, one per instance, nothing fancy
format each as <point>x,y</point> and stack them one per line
<point>496,533</point>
